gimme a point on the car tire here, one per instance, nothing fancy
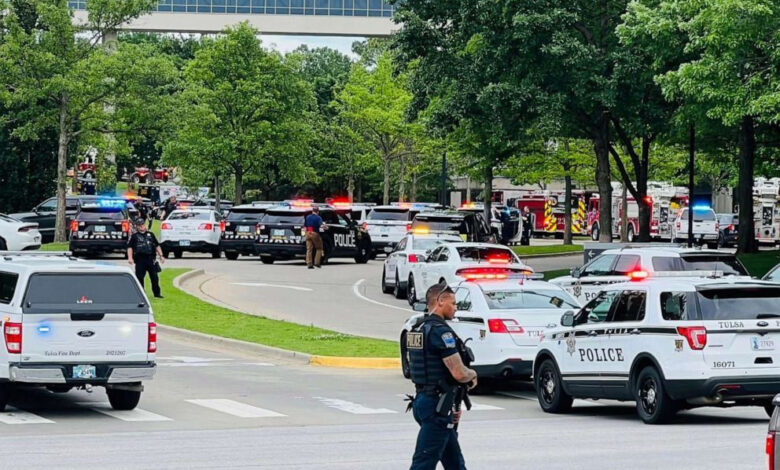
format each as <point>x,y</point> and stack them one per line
<point>385,288</point>
<point>398,291</point>
<point>231,255</point>
<point>178,254</point>
<point>411,290</point>
<point>653,404</point>
<point>3,245</point>
<point>135,179</point>
<point>630,236</point>
<point>4,394</point>
<point>770,409</point>
<point>123,399</point>
<point>216,253</point>
<point>267,259</point>
<point>166,254</point>
<point>549,389</point>
<point>364,254</point>
<point>595,233</point>
<point>405,367</point>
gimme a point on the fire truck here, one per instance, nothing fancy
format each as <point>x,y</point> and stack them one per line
<point>548,209</point>
<point>664,199</point>
<point>766,210</point>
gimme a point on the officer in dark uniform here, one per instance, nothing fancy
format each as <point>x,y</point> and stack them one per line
<point>436,367</point>
<point>142,248</point>
<point>528,226</point>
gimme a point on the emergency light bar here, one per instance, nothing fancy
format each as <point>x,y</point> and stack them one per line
<point>642,275</point>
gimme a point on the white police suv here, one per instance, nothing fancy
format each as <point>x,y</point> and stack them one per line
<point>502,321</point>
<point>68,323</point>
<point>668,344</point>
<point>626,264</point>
<point>412,249</point>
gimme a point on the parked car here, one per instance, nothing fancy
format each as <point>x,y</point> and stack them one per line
<point>729,229</point>
<point>705,226</point>
<point>16,235</point>
<point>45,213</point>
<point>412,249</point>
<point>192,229</point>
<point>471,227</point>
<point>772,444</point>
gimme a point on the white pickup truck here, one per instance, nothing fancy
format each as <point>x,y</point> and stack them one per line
<point>706,228</point>
<point>68,323</point>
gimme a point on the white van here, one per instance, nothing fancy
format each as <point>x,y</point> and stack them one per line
<point>69,323</point>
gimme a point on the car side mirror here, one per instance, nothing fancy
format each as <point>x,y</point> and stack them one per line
<point>420,307</point>
<point>567,319</point>
<point>576,273</point>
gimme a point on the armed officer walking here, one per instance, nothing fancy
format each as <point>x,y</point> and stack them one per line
<point>141,251</point>
<point>438,371</point>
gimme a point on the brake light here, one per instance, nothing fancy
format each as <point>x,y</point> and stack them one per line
<point>415,259</point>
<point>717,226</point>
<point>206,226</point>
<point>152,343</point>
<point>125,225</point>
<point>731,227</point>
<point>166,226</point>
<point>408,227</point>
<point>638,275</point>
<point>27,228</point>
<point>13,337</point>
<point>499,325</point>
<point>770,449</point>
<point>696,336</point>
<point>74,226</point>
<point>678,225</point>
<point>498,259</point>
<point>475,274</point>
<point>222,226</point>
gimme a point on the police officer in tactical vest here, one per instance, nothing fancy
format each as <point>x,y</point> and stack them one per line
<point>437,370</point>
<point>142,248</point>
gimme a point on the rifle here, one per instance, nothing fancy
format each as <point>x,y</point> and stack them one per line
<point>462,390</point>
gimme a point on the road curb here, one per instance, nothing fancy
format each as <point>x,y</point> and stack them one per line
<point>178,280</point>
<point>356,362</point>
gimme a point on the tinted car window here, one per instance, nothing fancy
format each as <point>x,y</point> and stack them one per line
<point>329,217</point>
<point>441,224</point>
<point>596,310</point>
<point>7,286</point>
<point>601,266</point>
<point>678,306</point>
<point>627,263</point>
<point>389,214</point>
<point>246,215</point>
<point>429,243</point>
<point>666,263</point>
<point>541,298</point>
<point>699,215</point>
<point>745,303</point>
<point>630,307</point>
<point>190,215</point>
<point>50,205</point>
<point>95,215</point>
<point>293,218</point>
<point>773,275</point>
<point>726,263</point>
<point>65,293</point>
<point>478,253</point>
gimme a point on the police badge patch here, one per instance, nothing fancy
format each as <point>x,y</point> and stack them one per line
<point>571,342</point>
<point>576,290</point>
<point>448,339</point>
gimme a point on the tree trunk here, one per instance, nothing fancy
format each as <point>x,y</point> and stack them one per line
<point>60,221</point>
<point>217,192</point>
<point>468,189</point>
<point>488,196</point>
<point>624,214</point>
<point>747,148</point>
<point>351,188</point>
<point>567,237</point>
<point>603,181</point>
<point>641,189</point>
<point>386,182</point>
<point>413,189</point>
<point>239,196</point>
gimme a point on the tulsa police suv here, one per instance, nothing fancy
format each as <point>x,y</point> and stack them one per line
<point>668,344</point>
<point>68,323</point>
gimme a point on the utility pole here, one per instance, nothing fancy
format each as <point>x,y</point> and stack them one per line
<point>691,169</point>
<point>443,199</point>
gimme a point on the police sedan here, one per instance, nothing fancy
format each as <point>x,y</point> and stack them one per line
<point>412,249</point>
<point>191,229</point>
<point>455,262</point>
<point>502,322</point>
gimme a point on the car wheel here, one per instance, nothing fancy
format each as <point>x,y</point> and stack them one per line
<point>398,291</point>
<point>721,241</point>
<point>411,291</point>
<point>267,259</point>
<point>216,253</point>
<point>385,288</point>
<point>549,389</point>
<point>135,178</point>
<point>231,255</point>
<point>630,234</point>
<point>123,399</point>
<point>405,368</point>
<point>3,245</point>
<point>166,254</point>
<point>89,175</point>
<point>770,409</point>
<point>178,253</point>
<point>364,254</point>
<point>595,233</point>
<point>653,404</point>
<point>4,393</point>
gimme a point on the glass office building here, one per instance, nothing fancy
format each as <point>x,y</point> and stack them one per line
<point>376,8</point>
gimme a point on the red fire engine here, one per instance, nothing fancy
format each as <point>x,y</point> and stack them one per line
<point>548,209</point>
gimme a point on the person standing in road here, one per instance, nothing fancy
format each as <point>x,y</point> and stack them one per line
<point>436,366</point>
<point>312,225</point>
<point>142,249</point>
<point>528,226</point>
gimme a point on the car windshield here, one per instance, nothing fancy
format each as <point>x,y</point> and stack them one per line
<point>526,299</point>
<point>486,254</point>
<point>743,303</point>
<point>190,215</point>
<point>246,215</point>
<point>284,218</point>
<point>728,264</point>
<point>65,293</point>
<point>389,214</point>
<point>5,218</point>
<point>431,243</point>
<point>440,224</point>
<point>700,215</point>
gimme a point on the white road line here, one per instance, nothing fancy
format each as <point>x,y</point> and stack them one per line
<point>524,396</point>
<point>356,291</point>
<point>280,286</point>
<point>483,407</point>
<point>16,416</point>
<point>238,409</point>
<point>136,415</point>
<point>354,408</point>
<point>190,359</point>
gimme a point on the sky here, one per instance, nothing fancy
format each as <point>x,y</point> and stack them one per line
<point>288,43</point>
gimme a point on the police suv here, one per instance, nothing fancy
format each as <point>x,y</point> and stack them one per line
<point>669,344</point>
<point>102,226</point>
<point>281,235</point>
<point>67,323</point>
<point>502,321</point>
<point>625,264</point>
<point>238,230</point>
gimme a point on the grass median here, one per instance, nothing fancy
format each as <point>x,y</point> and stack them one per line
<point>547,249</point>
<point>182,310</point>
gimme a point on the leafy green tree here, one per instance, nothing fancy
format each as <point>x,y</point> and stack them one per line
<point>243,112</point>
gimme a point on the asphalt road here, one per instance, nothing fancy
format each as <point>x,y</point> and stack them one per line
<point>216,409</point>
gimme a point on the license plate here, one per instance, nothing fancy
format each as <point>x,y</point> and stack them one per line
<point>244,228</point>
<point>100,228</point>
<point>184,243</point>
<point>84,372</point>
<point>762,344</point>
<point>384,229</point>
<point>278,232</point>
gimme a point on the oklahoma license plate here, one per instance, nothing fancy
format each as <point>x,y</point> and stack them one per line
<point>100,228</point>
<point>244,228</point>
<point>184,243</point>
<point>762,344</point>
<point>84,372</point>
<point>278,232</point>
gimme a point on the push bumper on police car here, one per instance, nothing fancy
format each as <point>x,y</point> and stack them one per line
<point>52,374</point>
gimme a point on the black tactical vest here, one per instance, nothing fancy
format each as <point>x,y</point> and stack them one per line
<point>426,365</point>
<point>145,244</point>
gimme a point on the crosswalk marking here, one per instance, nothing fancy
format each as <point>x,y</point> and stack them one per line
<point>135,415</point>
<point>16,416</point>
<point>238,409</point>
<point>350,407</point>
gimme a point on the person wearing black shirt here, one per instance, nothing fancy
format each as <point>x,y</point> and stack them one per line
<point>168,207</point>
<point>142,249</point>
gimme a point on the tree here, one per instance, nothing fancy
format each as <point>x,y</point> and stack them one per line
<point>61,75</point>
<point>243,112</point>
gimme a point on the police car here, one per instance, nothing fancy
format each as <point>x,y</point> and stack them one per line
<point>502,321</point>
<point>454,262</point>
<point>412,249</point>
<point>67,323</point>
<point>387,225</point>
<point>191,229</point>
<point>625,264</point>
<point>16,235</point>
<point>668,344</point>
<point>238,230</point>
<point>102,226</point>
<point>280,235</point>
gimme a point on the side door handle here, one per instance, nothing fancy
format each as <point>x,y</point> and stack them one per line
<point>593,333</point>
<point>635,331</point>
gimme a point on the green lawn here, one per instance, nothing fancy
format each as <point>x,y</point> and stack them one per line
<point>55,246</point>
<point>556,273</point>
<point>760,263</point>
<point>547,249</point>
<point>182,310</point>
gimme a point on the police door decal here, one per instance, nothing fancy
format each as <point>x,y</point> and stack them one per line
<point>344,240</point>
